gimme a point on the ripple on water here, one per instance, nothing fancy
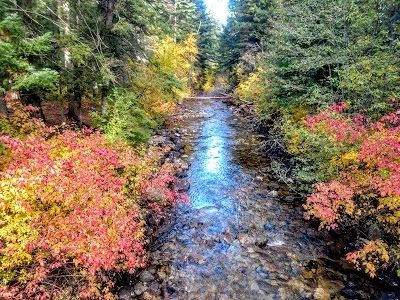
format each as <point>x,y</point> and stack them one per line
<point>234,241</point>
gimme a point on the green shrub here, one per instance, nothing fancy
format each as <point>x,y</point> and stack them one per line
<point>125,120</point>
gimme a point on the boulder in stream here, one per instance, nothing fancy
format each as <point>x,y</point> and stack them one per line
<point>182,185</point>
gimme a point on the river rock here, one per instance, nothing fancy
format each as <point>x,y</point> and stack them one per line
<point>374,232</point>
<point>181,174</point>
<point>289,199</point>
<point>273,186</point>
<point>148,295</point>
<point>269,227</point>
<point>182,185</point>
<point>155,287</point>
<point>183,166</point>
<point>139,289</point>
<point>242,237</point>
<point>321,294</point>
<point>158,140</point>
<point>156,255</point>
<point>170,290</point>
<point>149,231</point>
<point>125,293</point>
<point>150,220</point>
<point>387,295</point>
<point>349,293</point>
<point>175,139</point>
<point>146,276</point>
<point>273,194</point>
<point>178,147</point>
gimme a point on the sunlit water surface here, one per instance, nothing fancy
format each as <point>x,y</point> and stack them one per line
<point>237,240</point>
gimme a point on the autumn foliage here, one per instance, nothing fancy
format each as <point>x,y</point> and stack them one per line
<point>72,210</point>
<point>366,192</point>
<point>167,77</point>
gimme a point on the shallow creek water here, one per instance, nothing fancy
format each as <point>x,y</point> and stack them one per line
<point>238,239</point>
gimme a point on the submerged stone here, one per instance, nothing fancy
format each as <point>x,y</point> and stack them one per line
<point>125,293</point>
<point>146,276</point>
<point>139,289</point>
<point>273,186</point>
<point>269,227</point>
<point>289,199</point>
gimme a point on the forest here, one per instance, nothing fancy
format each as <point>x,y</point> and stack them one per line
<point>84,85</point>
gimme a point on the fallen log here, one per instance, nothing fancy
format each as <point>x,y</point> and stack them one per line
<point>206,98</point>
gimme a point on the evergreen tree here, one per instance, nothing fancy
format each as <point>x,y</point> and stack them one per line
<point>17,54</point>
<point>244,35</point>
<point>208,34</point>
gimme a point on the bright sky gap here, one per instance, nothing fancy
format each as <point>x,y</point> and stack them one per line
<point>219,9</point>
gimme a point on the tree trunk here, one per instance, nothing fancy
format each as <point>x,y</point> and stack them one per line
<point>75,107</point>
<point>175,20</point>
<point>64,14</point>
<point>110,13</point>
<point>75,95</point>
<point>25,8</point>
<point>105,91</point>
<point>393,21</point>
<point>3,105</point>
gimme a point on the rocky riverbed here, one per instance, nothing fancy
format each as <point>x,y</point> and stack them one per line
<point>243,235</point>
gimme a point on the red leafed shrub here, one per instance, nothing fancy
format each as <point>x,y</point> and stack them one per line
<point>71,213</point>
<point>368,188</point>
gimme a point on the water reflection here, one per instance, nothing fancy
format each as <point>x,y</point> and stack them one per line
<point>236,241</point>
<point>215,159</point>
<point>211,172</point>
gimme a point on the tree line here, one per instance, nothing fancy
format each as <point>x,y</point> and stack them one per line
<point>324,77</point>
<point>75,202</point>
<point>67,51</point>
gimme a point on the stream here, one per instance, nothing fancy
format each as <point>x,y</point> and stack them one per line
<point>243,236</point>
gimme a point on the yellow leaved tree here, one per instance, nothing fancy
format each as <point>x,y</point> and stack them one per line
<point>167,77</point>
<point>250,87</point>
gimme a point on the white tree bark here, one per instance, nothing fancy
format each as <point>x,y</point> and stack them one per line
<point>64,12</point>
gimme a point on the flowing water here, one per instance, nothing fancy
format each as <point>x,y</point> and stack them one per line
<point>239,239</point>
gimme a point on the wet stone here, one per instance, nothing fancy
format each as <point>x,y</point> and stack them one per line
<point>273,194</point>
<point>149,231</point>
<point>139,289</point>
<point>242,237</point>
<point>151,220</point>
<point>182,185</point>
<point>178,147</point>
<point>385,295</point>
<point>374,232</point>
<point>146,276</point>
<point>171,291</point>
<point>349,293</point>
<point>158,140</point>
<point>289,199</point>
<point>155,287</point>
<point>269,227</point>
<point>321,294</point>
<point>262,243</point>
<point>273,186</point>
<point>156,255</point>
<point>125,293</point>
<point>149,296</point>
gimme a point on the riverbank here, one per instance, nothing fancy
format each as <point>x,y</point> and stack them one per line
<point>239,239</point>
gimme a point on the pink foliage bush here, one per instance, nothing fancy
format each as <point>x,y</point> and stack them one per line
<point>369,186</point>
<point>72,209</point>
